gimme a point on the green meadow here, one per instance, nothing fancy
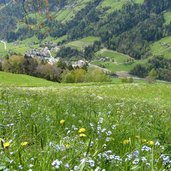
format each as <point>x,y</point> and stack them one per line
<point>82,43</point>
<point>20,80</point>
<point>162,47</point>
<point>84,126</point>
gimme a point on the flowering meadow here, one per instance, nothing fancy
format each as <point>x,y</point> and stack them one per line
<point>123,127</point>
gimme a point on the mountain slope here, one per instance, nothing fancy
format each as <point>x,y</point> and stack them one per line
<point>127,26</point>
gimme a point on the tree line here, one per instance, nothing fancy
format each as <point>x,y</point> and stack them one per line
<point>59,71</point>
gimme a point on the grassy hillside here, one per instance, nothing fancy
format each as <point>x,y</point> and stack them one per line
<point>86,127</point>
<point>162,47</point>
<point>82,43</point>
<point>20,47</point>
<point>8,79</point>
<point>115,4</point>
<point>116,61</point>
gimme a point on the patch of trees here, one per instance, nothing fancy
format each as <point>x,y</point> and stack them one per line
<point>58,72</point>
<point>30,66</point>
<point>87,53</point>
<point>159,67</point>
<point>81,75</point>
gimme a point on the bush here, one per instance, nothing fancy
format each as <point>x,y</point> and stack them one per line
<point>48,72</point>
<point>74,76</point>
<point>96,75</point>
<point>127,80</point>
<point>14,64</point>
<point>80,75</point>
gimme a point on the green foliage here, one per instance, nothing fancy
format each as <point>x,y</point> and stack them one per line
<point>157,67</point>
<point>80,75</point>
<point>48,72</point>
<point>127,80</point>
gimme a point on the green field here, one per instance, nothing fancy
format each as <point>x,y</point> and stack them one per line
<point>115,4</point>
<point>9,79</point>
<point>116,56</point>
<point>86,127</point>
<point>167,17</point>
<point>162,47</point>
<point>82,43</point>
<point>67,14</point>
<point>116,61</point>
<point>20,47</point>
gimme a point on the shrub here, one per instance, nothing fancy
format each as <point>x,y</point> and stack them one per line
<point>14,64</point>
<point>48,72</point>
<point>80,75</point>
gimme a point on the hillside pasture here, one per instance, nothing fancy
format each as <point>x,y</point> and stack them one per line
<point>82,43</point>
<point>162,47</point>
<point>20,80</point>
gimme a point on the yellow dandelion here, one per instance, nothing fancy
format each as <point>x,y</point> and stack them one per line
<point>24,143</point>
<point>82,130</point>
<point>151,143</point>
<point>125,142</point>
<point>62,121</point>
<point>67,145</point>
<point>6,144</point>
<point>82,135</point>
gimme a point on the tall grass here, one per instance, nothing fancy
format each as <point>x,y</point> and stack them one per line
<point>85,128</point>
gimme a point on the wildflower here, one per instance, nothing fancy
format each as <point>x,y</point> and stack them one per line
<point>76,168</point>
<point>66,166</point>
<point>145,148</point>
<point>20,167</point>
<point>143,159</point>
<point>136,153</point>
<point>82,135</point>
<point>136,161</point>
<point>113,126</point>
<point>6,169</point>
<point>157,143</point>
<point>6,144</point>
<point>109,133</point>
<point>166,159</point>
<point>24,143</point>
<point>129,157</point>
<point>30,170</point>
<point>151,143</point>
<point>56,163</point>
<point>97,169</point>
<point>11,161</point>
<point>62,121</point>
<point>125,142</point>
<point>67,146</point>
<point>31,165</point>
<point>107,139</point>
<point>82,130</point>
<point>91,163</point>
<point>100,120</point>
